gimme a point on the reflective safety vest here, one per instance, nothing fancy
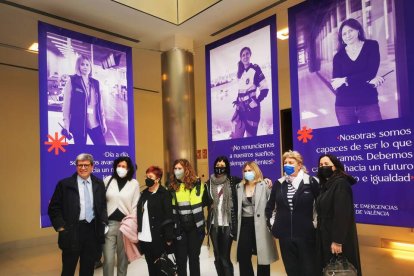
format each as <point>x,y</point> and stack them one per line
<point>189,202</point>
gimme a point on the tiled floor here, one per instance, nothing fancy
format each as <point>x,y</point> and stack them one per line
<point>45,260</point>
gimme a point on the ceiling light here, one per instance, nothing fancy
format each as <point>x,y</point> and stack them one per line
<point>34,47</point>
<point>283,34</point>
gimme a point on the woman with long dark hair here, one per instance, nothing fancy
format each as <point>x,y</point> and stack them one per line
<point>222,214</point>
<point>336,231</point>
<point>250,77</point>
<point>354,76</point>
<point>188,199</point>
<point>122,194</point>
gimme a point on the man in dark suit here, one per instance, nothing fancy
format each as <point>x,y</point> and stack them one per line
<point>77,211</point>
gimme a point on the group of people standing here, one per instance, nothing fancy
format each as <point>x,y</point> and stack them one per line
<point>313,218</point>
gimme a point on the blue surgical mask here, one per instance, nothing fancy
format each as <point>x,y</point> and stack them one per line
<point>179,173</point>
<point>249,176</point>
<point>289,169</point>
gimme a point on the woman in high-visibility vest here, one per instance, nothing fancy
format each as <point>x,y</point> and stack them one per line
<point>252,233</point>
<point>188,199</point>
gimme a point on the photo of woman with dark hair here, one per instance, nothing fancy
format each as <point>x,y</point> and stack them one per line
<point>83,112</point>
<point>250,77</point>
<point>355,80</point>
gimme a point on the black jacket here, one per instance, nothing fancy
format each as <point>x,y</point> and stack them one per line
<point>233,223</point>
<point>336,221</point>
<point>299,222</point>
<point>160,217</point>
<point>64,211</point>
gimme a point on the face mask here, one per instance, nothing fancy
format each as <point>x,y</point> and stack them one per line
<point>289,169</point>
<point>325,171</point>
<point>179,173</point>
<point>220,170</point>
<point>122,172</point>
<point>149,182</point>
<point>249,176</point>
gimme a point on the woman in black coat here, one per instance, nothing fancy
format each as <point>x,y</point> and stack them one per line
<point>292,201</point>
<point>155,224</point>
<point>336,231</point>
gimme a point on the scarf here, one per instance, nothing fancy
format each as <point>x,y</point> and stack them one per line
<point>225,192</point>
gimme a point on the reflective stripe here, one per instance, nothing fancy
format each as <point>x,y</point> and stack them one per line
<point>184,203</point>
<point>197,210</point>
<point>185,212</point>
<point>199,223</point>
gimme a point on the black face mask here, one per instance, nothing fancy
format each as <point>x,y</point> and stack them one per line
<point>325,171</point>
<point>149,182</point>
<point>219,170</point>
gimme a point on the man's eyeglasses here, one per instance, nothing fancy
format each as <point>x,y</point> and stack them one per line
<point>80,166</point>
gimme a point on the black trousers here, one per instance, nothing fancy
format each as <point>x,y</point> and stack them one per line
<point>189,247</point>
<point>151,256</point>
<point>87,253</point>
<point>245,248</point>
<point>95,134</point>
<point>299,256</point>
<point>221,240</point>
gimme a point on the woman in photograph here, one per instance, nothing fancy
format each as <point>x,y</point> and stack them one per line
<point>292,201</point>
<point>354,76</point>
<point>155,224</point>
<point>246,118</point>
<point>222,214</point>
<point>336,231</point>
<point>83,113</point>
<point>252,232</point>
<point>189,196</point>
<point>122,194</point>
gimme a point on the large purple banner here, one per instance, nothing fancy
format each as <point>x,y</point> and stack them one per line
<point>352,96</point>
<point>242,98</point>
<point>86,105</point>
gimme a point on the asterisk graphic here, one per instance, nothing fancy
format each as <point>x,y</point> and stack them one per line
<point>304,134</point>
<point>56,143</point>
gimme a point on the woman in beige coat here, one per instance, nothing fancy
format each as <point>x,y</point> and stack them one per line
<point>252,232</point>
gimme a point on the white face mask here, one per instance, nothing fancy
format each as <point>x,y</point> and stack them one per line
<point>179,173</point>
<point>122,172</point>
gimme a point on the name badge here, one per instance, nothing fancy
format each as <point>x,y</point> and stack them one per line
<point>90,110</point>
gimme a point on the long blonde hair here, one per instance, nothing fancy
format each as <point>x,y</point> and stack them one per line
<point>258,175</point>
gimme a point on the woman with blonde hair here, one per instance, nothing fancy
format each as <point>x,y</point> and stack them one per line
<point>252,232</point>
<point>188,199</point>
<point>83,113</point>
<point>292,202</point>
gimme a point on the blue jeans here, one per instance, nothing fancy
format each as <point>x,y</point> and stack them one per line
<point>348,115</point>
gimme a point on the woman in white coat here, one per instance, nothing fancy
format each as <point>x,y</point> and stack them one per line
<point>252,232</point>
<point>122,194</point>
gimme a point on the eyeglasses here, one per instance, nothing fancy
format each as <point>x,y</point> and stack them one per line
<point>80,166</point>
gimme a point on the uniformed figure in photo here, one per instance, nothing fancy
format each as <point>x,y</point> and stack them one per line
<point>250,78</point>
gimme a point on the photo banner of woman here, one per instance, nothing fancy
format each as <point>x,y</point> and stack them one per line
<point>351,97</point>
<point>242,97</point>
<point>86,105</point>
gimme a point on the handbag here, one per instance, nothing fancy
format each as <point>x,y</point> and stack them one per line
<point>166,265</point>
<point>339,266</point>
